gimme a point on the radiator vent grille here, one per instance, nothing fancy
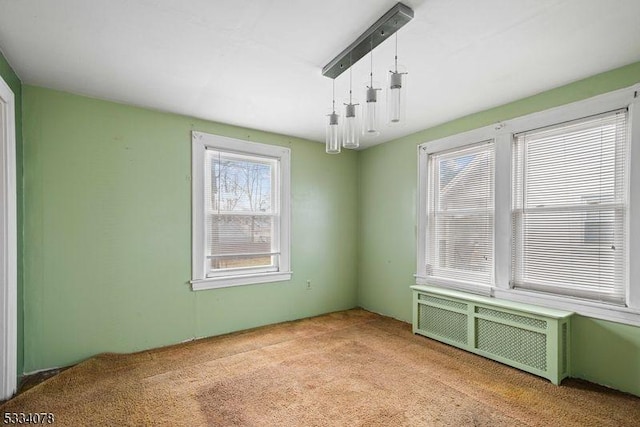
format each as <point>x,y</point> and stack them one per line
<point>443,302</point>
<point>519,345</point>
<point>525,336</point>
<point>529,321</point>
<point>447,324</point>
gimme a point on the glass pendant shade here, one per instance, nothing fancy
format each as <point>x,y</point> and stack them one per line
<point>351,137</point>
<point>396,97</point>
<point>371,122</point>
<point>333,134</point>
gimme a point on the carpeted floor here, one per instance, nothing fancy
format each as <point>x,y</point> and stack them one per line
<point>349,368</point>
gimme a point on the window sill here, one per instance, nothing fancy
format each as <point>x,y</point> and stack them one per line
<point>597,310</point>
<point>472,288</point>
<point>239,280</point>
<point>593,309</point>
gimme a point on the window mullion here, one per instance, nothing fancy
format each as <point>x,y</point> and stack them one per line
<point>633,217</point>
<point>502,215</point>
<point>422,211</point>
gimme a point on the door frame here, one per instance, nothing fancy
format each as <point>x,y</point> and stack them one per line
<point>8,245</point>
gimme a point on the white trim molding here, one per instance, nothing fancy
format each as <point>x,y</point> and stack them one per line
<point>634,203</point>
<point>503,134</point>
<point>8,245</point>
<point>201,278</point>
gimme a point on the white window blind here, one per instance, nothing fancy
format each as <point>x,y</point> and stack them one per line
<point>570,208</point>
<point>242,218</point>
<point>461,214</point>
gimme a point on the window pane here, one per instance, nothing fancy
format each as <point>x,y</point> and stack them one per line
<point>465,180</point>
<point>582,162</point>
<point>231,234</point>
<point>565,245</point>
<point>464,247</point>
<point>240,262</point>
<point>240,183</point>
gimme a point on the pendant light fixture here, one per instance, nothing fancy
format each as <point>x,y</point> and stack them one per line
<point>381,30</point>
<point>371,124</point>
<point>351,137</point>
<point>333,134</point>
<point>396,93</point>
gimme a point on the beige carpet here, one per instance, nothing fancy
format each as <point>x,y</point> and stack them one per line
<point>346,369</point>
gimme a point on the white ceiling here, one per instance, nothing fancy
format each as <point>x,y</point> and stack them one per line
<point>257,63</point>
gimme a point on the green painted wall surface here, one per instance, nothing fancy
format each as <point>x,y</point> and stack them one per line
<point>108,235</point>
<point>10,77</point>
<point>107,232</point>
<point>603,352</point>
<point>606,353</point>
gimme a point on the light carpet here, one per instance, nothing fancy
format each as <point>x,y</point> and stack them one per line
<point>351,368</point>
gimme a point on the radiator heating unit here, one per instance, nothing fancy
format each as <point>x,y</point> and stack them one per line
<point>527,337</point>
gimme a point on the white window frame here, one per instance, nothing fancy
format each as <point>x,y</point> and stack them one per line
<point>8,245</point>
<point>452,143</point>
<point>200,279</point>
<point>503,133</point>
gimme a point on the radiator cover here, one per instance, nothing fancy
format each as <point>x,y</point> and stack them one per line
<point>527,337</point>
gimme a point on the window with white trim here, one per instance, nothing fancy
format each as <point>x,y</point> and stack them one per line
<point>240,212</point>
<point>565,203</point>
<point>570,208</point>
<point>460,214</point>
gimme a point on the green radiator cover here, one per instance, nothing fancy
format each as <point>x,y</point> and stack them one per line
<point>527,337</point>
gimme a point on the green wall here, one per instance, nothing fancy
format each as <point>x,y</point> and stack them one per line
<point>603,352</point>
<point>10,77</point>
<point>107,231</point>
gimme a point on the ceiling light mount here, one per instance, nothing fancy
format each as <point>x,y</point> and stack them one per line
<point>385,27</point>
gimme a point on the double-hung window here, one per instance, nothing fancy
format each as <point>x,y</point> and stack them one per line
<point>240,212</point>
<point>460,214</point>
<point>570,208</point>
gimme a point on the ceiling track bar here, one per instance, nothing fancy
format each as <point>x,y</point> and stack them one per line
<point>384,28</point>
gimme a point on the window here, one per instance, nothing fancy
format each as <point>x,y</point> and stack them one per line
<point>460,214</point>
<point>240,212</point>
<point>570,208</point>
<point>545,211</point>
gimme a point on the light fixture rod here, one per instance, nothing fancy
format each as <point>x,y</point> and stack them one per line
<point>385,27</point>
